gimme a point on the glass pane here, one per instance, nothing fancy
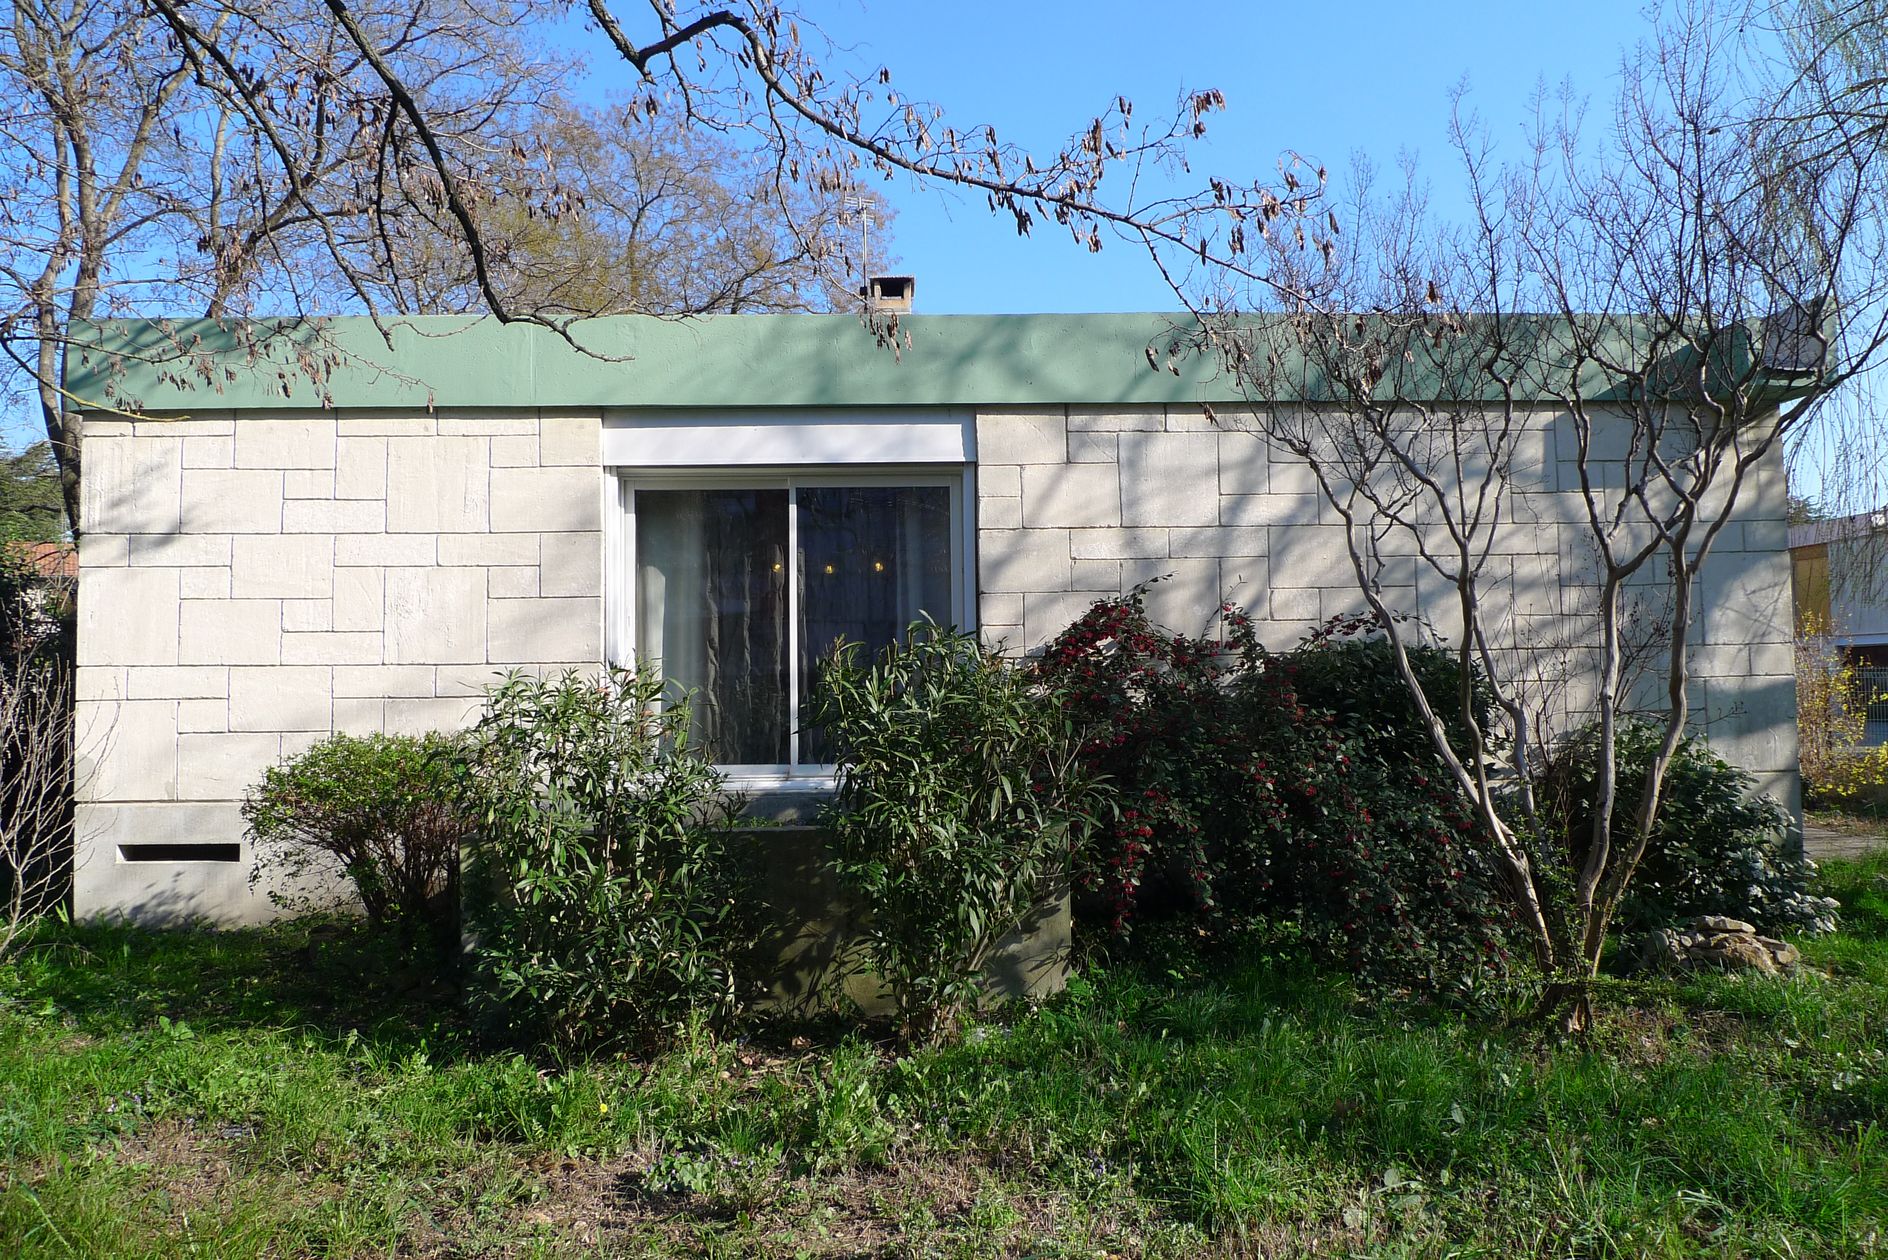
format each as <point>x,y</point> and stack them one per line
<point>873,559</point>
<point>711,612</point>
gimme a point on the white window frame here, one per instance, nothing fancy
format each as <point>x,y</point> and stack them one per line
<point>620,553</point>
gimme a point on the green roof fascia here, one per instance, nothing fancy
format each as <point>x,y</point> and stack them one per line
<point>163,367</point>
<point>176,367</point>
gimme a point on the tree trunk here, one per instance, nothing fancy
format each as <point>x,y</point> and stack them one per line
<point>62,425</point>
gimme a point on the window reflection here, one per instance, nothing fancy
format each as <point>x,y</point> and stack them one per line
<point>711,600</point>
<point>712,567</point>
<point>873,559</point>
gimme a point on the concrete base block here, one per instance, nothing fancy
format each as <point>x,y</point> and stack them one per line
<point>808,962</point>
<point>174,864</point>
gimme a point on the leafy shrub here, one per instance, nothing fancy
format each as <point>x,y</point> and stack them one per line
<point>1392,875</point>
<point>1244,801</point>
<point>1715,849</point>
<point>381,807</point>
<point>959,799</point>
<point>1833,696</point>
<point>600,889</point>
<point>1347,668</point>
<point>1155,718</point>
<point>1854,781</point>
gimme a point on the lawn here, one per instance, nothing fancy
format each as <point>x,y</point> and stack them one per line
<point>285,1093</point>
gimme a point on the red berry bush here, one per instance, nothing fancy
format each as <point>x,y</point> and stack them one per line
<point>1260,789</point>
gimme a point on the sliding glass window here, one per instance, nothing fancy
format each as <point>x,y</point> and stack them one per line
<point>743,589</point>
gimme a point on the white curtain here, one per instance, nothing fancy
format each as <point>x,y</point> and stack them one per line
<point>711,612</point>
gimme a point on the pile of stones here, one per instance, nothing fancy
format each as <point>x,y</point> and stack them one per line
<point>1716,942</point>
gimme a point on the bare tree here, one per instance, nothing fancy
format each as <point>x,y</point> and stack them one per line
<point>36,749</point>
<point>1829,85</point>
<point>1683,302</point>
<point>144,173</point>
<point>36,792</point>
<point>663,221</point>
<point>299,156</point>
<point>757,74</point>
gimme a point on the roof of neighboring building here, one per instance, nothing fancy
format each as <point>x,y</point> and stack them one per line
<point>50,559</point>
<point>171,367</point>
<point>1860,525</point>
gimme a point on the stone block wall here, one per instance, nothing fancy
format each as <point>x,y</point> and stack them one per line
<point>1077,503</point>
<point>1074,503</point>
<point>249,585</point>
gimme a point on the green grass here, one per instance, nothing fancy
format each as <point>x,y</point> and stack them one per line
<point>256,1093</point>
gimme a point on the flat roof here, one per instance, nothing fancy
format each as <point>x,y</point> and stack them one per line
<point>166,367</point>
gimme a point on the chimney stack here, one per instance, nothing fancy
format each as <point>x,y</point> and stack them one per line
<point>890,294</point>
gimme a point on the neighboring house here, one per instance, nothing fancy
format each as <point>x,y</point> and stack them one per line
<point>42,575</point>
<point>265,561</point>
<point>1840,580</point>
<point>53,560</point>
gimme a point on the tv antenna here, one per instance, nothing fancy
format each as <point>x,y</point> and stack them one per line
<point>861,205</point>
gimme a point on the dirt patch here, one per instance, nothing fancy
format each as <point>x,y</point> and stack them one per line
<point>1842,836</point>
<point>1637,1035</point>
<point>1648,1033</point>
<point>195,1171</point>
<point>191,1167</point>
<point>924,1203</point>
<point>861,1212</point>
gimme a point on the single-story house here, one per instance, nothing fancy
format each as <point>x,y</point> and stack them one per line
<point>288,535</point>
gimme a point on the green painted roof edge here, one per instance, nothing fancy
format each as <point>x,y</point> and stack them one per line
<point>185,366</point>
<point>164,367</point>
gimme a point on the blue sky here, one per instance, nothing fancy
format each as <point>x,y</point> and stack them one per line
<point>1328,81</point>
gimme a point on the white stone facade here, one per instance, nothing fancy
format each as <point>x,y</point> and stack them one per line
<point>253,581</point>
<point>1076,503</point>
